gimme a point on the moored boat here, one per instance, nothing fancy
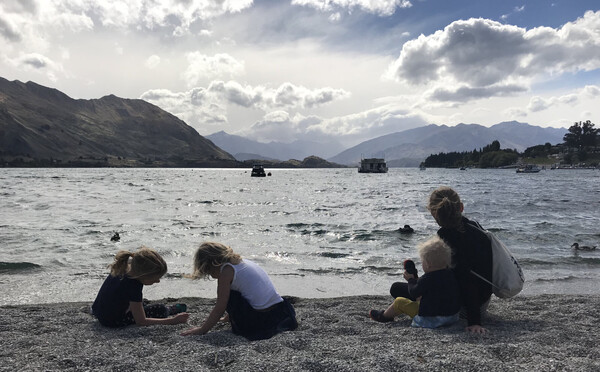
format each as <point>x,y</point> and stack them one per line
<point>258,171</point>
<point>373,165</point>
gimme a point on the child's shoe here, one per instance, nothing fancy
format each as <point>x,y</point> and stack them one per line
<point>177,308</point>
<point>409,267</point>
<point>377,315</point>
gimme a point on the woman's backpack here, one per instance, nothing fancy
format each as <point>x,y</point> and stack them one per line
<point>507,275</point>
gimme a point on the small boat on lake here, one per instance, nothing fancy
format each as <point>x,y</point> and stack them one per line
<point>373,165</point>
<point>529,168</point>
<point>258,171</point>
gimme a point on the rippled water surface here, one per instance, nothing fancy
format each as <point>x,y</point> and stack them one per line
<point>318,233</point>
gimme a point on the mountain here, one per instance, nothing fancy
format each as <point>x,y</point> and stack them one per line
<point>40,125</point>
<point>410,147</point>
<point>243,148</point>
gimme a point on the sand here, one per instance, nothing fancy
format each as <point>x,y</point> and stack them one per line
<point>526,333</point>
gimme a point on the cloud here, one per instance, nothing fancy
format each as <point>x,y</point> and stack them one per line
<point>38,63</point>
<point>538,103</point>
<point>208,106</point>
<point>8,29</point>
<point>466,93</point>
<point>76,15</point>
<point>203,67</point>
<point>152,62</point>
<point>592,90</point>
<point>287,95</point>
<point>479,58</point>
<point>281,126</point>
<point>379,7</point>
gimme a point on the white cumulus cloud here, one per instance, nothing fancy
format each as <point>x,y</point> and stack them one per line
<point>380,7</point>
<point>479,58</point>
<point>204,67</point>
<point>208,106</point>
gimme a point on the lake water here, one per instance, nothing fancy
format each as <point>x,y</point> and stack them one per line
<point>318,233</point>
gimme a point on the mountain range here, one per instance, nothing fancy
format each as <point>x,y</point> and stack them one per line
<point>407,148</point>
<point>410,147</point>
<point>43,126</point>
<point>243,148</point>
<point>40,125</point>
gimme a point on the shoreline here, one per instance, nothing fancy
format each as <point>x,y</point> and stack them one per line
<point>531,333</point>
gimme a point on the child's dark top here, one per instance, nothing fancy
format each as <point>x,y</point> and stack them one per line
<point>439,291</point>
<point>113,299</point>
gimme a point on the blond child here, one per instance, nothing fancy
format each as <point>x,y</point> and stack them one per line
<point>255,309</point>
<point>119,301</point>
<point>436,291</point>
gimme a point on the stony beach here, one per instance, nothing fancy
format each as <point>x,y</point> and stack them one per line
<point>526,333</point>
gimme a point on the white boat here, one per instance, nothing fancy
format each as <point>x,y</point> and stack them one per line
<point>529,168</point>
<point>373,165</point>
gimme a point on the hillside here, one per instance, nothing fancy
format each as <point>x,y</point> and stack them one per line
<point>43,126</point>
<point>410,147</point>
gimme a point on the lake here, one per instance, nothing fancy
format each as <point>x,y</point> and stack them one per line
<point>317,232</point>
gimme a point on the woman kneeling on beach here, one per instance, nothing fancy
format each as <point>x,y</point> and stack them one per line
<point>436,291</point>
<point>119,301</point>
<point>255,309</point>
<point>471,251</point>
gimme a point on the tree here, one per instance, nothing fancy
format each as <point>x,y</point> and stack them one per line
<point>582,134</point>
<point>494,146</point>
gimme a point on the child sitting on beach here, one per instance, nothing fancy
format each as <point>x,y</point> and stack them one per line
<point>119,301</point>
<point>437,288</point>
<point>255,309</point>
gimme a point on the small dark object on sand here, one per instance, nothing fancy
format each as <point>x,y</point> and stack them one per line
<point>578,247</point>
<point>377,315</point>
<point>406,230</point>
<point>115,237</point>
<point>409,267</point>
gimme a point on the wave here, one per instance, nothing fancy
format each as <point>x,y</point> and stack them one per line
<point>350,270</point>
<point>575,260</point>
<point>15,267</point>
<point>558,279</point>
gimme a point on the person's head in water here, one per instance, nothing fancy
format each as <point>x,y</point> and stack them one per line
<point>446,208</point>
<point>145,265</point>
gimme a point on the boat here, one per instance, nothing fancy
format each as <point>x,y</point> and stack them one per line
<point>258,171</point>
<point>529,168</point>
<point>373,165</point>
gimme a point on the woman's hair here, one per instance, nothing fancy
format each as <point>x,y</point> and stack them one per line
<point>445,206</point>
<point>145,263</point>
<point>435,252</point>
<point>210,255</point>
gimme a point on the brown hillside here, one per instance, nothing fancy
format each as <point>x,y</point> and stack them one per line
<point>39,123</point>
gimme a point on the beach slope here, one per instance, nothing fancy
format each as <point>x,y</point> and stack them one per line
<point>537,333</point>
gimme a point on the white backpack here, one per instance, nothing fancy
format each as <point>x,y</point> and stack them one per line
<point>507,276</point>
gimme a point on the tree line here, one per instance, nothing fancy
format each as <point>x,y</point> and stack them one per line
<point>580,144</point>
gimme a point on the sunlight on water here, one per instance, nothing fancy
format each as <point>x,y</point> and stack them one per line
<point>318,233</point>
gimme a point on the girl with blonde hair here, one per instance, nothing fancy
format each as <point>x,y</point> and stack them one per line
<point>119,301</point>
<point>255,309</point>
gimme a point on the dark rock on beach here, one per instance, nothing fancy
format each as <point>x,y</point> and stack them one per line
<point>539,333</point>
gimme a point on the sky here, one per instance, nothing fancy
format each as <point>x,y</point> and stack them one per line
<point>319,70</point>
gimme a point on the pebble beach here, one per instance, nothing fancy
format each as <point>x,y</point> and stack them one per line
<point>526,333</point>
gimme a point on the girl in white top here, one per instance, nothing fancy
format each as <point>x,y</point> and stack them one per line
<point>255,309</point>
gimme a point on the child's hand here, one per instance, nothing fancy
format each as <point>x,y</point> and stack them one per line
<point>408,276</point>
<point>181,318</point>
<point>192,331</point>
